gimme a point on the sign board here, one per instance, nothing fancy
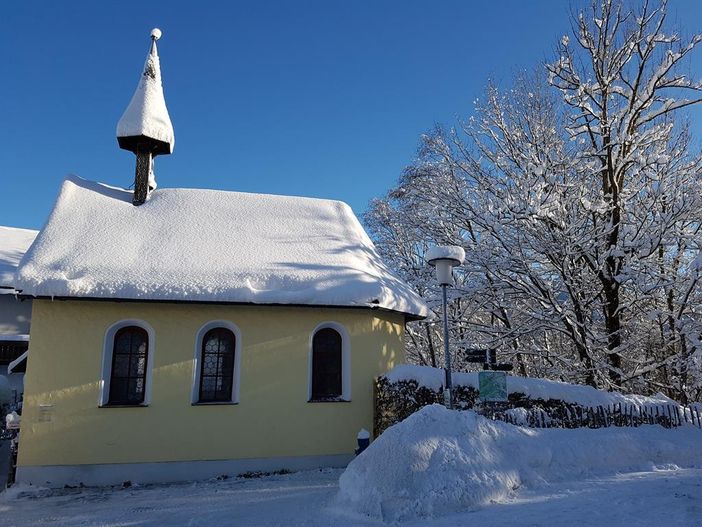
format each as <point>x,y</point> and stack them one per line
<point>492,386</point>
<point>45,413</point>
<point>475,355</point>
<point>479,355</point>
<point>498,367</point>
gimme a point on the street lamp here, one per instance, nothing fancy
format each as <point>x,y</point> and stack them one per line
<point>444,259</point>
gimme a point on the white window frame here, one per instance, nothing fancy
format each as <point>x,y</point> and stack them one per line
<point>197,359</point>
<point>108,349</point>
<point>345,361</point>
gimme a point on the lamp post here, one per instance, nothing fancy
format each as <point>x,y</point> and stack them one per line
<point>444,259</point>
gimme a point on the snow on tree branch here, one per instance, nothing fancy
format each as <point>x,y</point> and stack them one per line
<point>577,198</point>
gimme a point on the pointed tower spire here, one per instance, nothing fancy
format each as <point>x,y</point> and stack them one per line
<point>145,127</point>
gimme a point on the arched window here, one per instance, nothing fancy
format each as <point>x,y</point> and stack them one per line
<point>217,366</point>
<point>130,353</point>
<point>326,365</point>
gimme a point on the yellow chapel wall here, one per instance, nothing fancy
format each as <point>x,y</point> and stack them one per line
<point>62,423</point>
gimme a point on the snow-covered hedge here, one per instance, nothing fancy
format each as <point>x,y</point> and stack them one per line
<point>407,388</point>
<point>438,461</point>
<point>397,399</point>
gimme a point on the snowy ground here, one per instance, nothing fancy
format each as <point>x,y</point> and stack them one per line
<point>436,468</point>
<point>670,497</point>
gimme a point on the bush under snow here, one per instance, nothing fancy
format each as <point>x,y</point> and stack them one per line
<point>533,388</point>
<point>439,461</point>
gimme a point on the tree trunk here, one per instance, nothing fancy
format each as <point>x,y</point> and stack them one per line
<point>613,327</point>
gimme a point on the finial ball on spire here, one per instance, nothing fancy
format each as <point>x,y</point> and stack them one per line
<point>155,33</point>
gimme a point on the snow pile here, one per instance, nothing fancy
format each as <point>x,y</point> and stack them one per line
<point>207,245</point>
<point>533,388</point>
<point>21,491</point>
<point>147,114</point>
<point>432,378</point>
<point>439,461</point>
<point>13,244</point>
<point>12,419</point>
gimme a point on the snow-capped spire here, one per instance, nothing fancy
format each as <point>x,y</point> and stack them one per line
<point>145,127</point>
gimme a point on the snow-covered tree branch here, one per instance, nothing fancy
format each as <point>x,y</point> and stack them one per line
<point>577,197</point>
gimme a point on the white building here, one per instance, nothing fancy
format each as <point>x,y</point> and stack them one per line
<point>15,314</point>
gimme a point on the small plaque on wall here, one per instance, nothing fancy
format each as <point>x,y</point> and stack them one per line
<point>46,411</point>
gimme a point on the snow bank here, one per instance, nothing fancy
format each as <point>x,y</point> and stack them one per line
<point>12,419</point>
<point>22,490</point>
<point>534,388</point>
<point>208,245</point>
<point>439,461</point>
<point>13,244</point>
<point>432,378</point>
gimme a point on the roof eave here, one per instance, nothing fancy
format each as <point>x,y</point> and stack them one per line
<point>372,307</point>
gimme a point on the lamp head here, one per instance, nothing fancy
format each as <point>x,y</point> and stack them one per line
<point>445,258</point>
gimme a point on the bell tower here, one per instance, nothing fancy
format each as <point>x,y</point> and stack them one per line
<point>145,127</point>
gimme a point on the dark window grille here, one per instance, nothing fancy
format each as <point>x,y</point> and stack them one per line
<point>128,374</point>
<point>217,366</point>
<point>326,365</point>
<point>11,350</point>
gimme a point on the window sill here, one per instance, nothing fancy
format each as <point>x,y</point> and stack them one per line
<point>215,403</point>
<point>329,401</point>
<point>143,405</point>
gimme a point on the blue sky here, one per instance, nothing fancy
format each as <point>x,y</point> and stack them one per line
<point>316,98</point>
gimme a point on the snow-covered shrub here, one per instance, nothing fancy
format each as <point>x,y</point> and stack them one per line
<point>408,388</point>
<point>395,401</point>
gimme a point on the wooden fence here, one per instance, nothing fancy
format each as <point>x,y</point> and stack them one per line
<point>395,401</point>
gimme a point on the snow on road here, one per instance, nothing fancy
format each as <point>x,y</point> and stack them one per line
<point>667,497</point>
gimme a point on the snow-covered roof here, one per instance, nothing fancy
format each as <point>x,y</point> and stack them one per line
<point>14,338</point>
<point>13,244</point>
<point>147,114</point>
<point>209,246</point>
